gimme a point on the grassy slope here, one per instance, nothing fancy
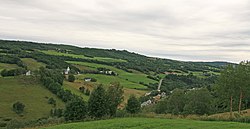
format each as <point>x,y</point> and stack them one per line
<point>27,91</point>
<point>51,52</point>
<point>132,77</point>
<point>7,66</point>
<point>32,64</point>
<point>150,123</point>
<point>74,88</point>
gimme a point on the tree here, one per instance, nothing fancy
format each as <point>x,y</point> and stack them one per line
<point>71,78</point>
<point>76,109</point>
<point>18,107</point>
<point>226,85</point>
<point>176,102</point>
<point>115,97</point>
<point>98,102</point>
<point>198,102</point>
<point>133,105</point>
<point>52,101</point>
<point>242,80</point>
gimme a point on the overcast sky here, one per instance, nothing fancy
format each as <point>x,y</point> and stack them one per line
<point>192,30</point>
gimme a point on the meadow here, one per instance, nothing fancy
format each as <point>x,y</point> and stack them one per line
<point>103,59</point>
<point>7,66</point>
<point>28,91</point>
<point>151,123</point>
<point>135,77</point>
<point>32,64</point>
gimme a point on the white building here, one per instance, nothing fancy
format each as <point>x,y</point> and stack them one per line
<point>67,71</point>
<point>28,73</point>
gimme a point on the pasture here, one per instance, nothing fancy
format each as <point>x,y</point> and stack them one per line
<point>28,91</point>
<point>103,59</point>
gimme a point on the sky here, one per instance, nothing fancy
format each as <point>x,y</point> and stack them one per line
<point>189,30</point>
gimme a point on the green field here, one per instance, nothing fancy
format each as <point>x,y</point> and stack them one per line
<point>134,77</point>
<point>151,123</point>
<point>32,64</point>
<point>74,88</point>
<point>7,66</point>
<point>28,91</point>
<point>104,59</point>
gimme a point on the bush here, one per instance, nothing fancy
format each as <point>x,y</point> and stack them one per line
<point>121,113</point>
<point>243,119</point>
<point>71,78</point>
<point>15,124</point>
<point>75,110</point>
<point>133,105</point>
<point>3,124</point>
<point>52,101</point>
<point>18,107</point>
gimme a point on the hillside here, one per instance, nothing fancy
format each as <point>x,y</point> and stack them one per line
<point>137,74</point>
<point>149,123</point>
<point>28,91</point>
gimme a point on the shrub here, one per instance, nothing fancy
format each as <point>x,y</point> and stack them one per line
<point>133,105</point>
<point>71,78</point>
<point>2,124</point>
<point>52,101</point>
<point>15,124</point>
<point>18,107</point>
<point>75,110</point>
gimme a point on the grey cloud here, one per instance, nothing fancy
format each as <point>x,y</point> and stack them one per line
<point>216,29</point>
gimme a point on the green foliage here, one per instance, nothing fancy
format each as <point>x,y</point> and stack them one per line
<point>52,101</point>
<point>133,106</point>
<point>13,72</point>
<point>18,107</point>
<point>76,109</point>
<point>87,92</point>
<point>71,78</point>
<point>57,112</point>
<point>198,102</point>
<point>114,97</point>
<point>15,124</point>
<point>234,84</point>
<point>98,103</point>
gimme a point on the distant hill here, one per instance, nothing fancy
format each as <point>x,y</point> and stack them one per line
<point>128,60</point>
<point>215,63</point>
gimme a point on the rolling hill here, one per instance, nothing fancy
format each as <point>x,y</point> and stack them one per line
<point>138,74</point>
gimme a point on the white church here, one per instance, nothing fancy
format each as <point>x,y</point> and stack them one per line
<point>66,72</point>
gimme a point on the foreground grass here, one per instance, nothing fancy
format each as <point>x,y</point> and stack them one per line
<point>28,91</point>
<point>151,123</point>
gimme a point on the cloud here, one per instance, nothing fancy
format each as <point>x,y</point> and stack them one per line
<point>177,29</point>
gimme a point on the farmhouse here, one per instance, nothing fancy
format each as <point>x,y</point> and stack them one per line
<point>87,79</point>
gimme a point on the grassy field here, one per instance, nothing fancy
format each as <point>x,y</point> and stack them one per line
<point>74,88</point>
<point>28,91</point>
<point>51,52</point>
<point>7,66</point>
<point>32,64</point>
<point>134,77</point>
<point>151,123</point>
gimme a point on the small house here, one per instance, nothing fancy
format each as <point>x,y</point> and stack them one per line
<point>28,73</point>
<point>87,79</point>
